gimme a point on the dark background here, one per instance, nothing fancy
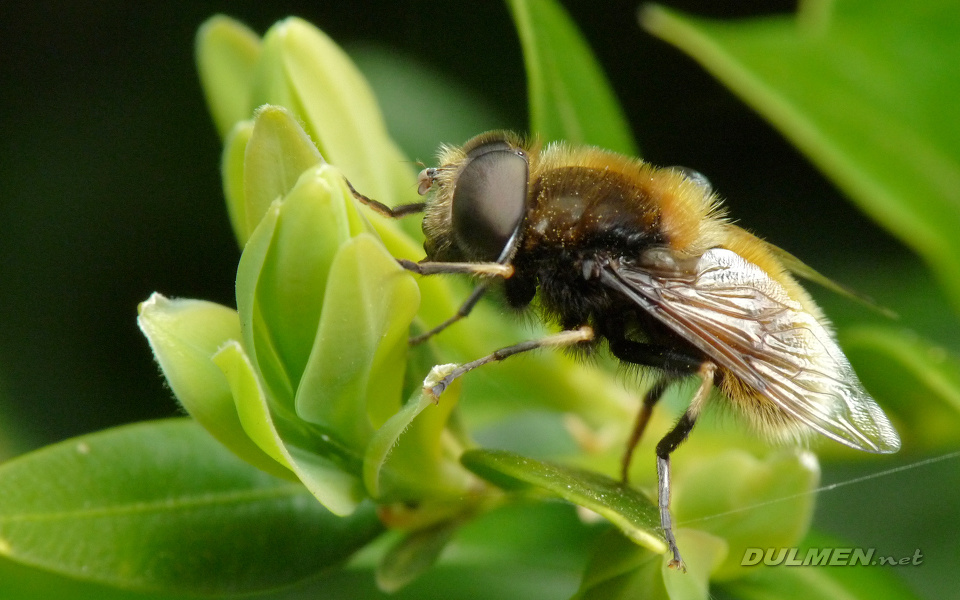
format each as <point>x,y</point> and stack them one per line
<point>110,184</point>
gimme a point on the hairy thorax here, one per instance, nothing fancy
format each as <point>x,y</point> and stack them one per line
<point>577,214</point>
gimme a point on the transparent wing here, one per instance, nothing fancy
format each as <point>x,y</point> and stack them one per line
<point>747,323</point>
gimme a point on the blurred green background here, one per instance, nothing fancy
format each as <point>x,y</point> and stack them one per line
<point>110,190</point>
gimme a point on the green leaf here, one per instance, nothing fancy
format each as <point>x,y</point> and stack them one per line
<point>412,457</point>
<point>386,437</point>
<point>917,380</point>
<point>278,152</point>
<point>863,89</point>
<point>534,551</point>
<point>305,71</point>
<point>251,404</point>
<point>352,382</point>
<point>232,174</point>
<point>570,98</point>
<point>314,220</point>
<point>621,569</point>
<point>320,462</point>
<point>903,285</point>
<point>746,501</point>
<point>413,555</point>
<point>304,286</point>
<point>283,275</point>
<point>226,52</point>
<point>162,506</point>
<point>184,335</point>
<point>257,342</point>
<point>20,582</point>
<point>622,505</point>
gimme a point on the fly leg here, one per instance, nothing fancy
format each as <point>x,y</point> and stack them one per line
<point>461,313</point>
<point>486,269</point>
<point>382,209</point>
<point>643,417</point>
<point>433,268</point>
<point>569,337</point>
<point>674,364</point>
<point>667,445</point>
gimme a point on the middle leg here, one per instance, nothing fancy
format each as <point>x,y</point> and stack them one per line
<point>569,337</point>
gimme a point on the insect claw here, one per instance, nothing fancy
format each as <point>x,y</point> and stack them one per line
<point>409,265</point>
<point>435,391</point>
<point>437,381</point>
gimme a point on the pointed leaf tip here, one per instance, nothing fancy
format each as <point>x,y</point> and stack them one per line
<point>226,53</point>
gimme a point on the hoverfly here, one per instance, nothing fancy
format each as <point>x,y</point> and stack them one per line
<point>642,258</point>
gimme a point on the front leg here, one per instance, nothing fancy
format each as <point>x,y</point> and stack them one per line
<point>380,208</point>
<point>483,269</point>
<point>461,313</point>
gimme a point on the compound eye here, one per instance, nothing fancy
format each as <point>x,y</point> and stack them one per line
<point>490,199</point>
<point>696,177</point>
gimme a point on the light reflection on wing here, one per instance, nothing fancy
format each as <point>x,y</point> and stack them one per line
<point>747,323</point>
